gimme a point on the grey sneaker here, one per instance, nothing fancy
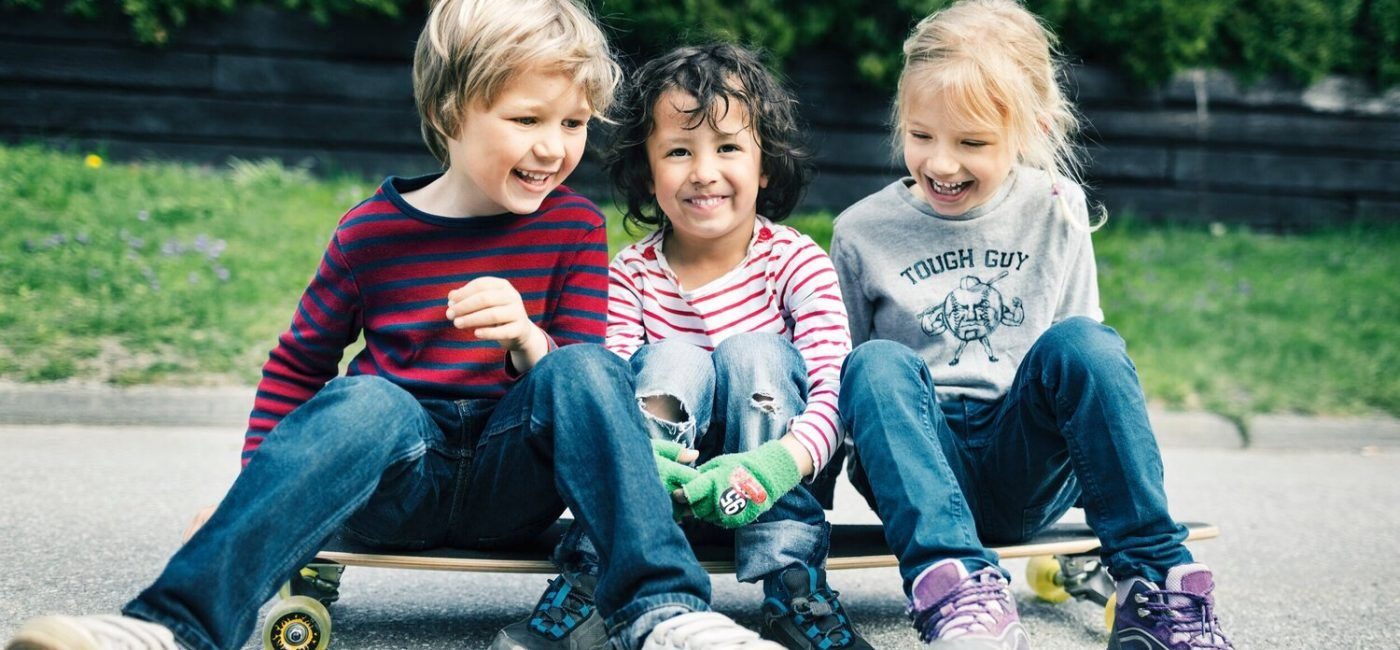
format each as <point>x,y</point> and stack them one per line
<point>704,631</point>
<point>108,632</point>
<point>956,610</point>
<point>804,613</point>
<point>1178,617</point>
<point>564,619</point>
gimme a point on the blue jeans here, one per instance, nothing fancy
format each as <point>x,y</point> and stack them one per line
<point>367,459</point>
<point>950,477</point>
<point>732,400</point>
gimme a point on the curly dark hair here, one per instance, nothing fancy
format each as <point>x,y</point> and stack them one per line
<point>716,75</point>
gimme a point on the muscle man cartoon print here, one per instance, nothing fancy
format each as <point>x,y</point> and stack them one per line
<point>971,313</point>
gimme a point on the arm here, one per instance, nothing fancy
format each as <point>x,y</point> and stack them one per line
<point>848,272</point>
<point>1079,290</point>
<point>811,293</point>
<point>307,355</point>
<point>625,330</point>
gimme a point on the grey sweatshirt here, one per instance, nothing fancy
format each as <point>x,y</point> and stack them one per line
<point>970,293</point>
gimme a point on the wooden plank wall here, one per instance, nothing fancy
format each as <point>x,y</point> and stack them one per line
<point>266,83</point>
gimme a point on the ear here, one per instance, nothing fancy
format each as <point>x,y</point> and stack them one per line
<point>763,181</point>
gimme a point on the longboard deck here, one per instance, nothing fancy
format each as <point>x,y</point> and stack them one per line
<point>853,546</point>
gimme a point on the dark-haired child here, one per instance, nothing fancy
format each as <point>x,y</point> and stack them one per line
<point>733,324</point>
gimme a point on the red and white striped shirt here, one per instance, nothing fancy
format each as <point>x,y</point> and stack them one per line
<point>785,285</point>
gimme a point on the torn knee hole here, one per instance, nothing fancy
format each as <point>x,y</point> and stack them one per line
<point>765,403</point>
<point>664,407</point>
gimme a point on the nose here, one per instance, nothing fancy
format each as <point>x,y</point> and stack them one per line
<point>550,145</point>
<point>942,162</point>
<point>703,171</point>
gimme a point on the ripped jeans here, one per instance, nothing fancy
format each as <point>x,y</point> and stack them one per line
<point>732,400</point>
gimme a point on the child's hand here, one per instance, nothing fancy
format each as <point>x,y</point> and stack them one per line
<point>734,489</point>
<point>673,464</point>
<point>492,309</point>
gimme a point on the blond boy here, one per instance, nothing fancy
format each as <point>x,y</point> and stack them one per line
<point>481,406</point>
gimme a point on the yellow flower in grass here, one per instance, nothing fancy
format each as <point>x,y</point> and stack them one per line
<point>93,161</point>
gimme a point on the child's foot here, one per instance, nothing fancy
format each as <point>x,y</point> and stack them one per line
<point>704,631</point>
<point>564,619</point>
<point>805,613</point>
<point>952,609</point>
<point>1177,617</point>
<point>107,632</point>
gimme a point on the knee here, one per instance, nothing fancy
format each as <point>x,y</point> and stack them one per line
<point>673,356</point>
<point>756,353</point>
<point>362,414</point>
<point>876,363</point>
<point>1080,343</point>
<point>581,364</point>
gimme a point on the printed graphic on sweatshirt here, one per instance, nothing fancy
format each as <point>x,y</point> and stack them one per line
<point>972,312</point>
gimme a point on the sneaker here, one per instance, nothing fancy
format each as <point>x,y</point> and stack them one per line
<point>107,632</point>
<point>704,631</point>
<point>805,613</point>
<point>1179,617</point>
<point>564,619</point>
<point>954,610</point>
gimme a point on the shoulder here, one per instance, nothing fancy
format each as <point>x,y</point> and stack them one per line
<point>640,254</point>
<point>874,206</point>
<point>369,216</point>
<point>788,242</point>
<point>566,205</point>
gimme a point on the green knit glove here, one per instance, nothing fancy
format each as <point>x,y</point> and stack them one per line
<point>674,474</point>
<point>734,489</point>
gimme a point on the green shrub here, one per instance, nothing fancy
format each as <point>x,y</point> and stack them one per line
<point>1147,39</point>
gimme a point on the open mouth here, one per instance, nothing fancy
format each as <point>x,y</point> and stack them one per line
<point>705,202</point>
<point>949,189</point>
<point>532,178</point>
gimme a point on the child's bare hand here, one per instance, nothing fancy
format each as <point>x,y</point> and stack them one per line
<point>492,309</point>
<point>198,522</point>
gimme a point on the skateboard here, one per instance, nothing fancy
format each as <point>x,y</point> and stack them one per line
<point>1064,564</point>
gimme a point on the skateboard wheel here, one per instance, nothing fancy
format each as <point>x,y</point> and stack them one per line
<point>297,623</point>
<point>1110,608</point>
<point>1044,577</point>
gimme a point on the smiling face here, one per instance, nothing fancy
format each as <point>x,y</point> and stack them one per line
<point>510,155</point>
<point>956,165</point>
<point>705,176</point>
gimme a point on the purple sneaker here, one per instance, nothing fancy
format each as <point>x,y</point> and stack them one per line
<point>1179,617</point>
<point>953,610</point>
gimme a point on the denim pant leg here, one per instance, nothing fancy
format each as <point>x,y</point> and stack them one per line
<point>1075,418</point>
<point>761,385</point>
<point>570,431</point>
<point>684,372</point>
<point>907,462</point>
<point>668,368</point>
<point>318,466</point>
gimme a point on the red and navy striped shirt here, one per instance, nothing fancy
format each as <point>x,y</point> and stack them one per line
<point>386,274</point>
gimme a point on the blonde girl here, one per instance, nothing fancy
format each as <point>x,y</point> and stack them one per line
<point>985,397</point>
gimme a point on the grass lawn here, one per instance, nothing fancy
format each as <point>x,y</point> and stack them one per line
<point>145,273</point>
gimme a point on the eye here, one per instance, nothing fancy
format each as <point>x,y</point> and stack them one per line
<point>729,148</point>
<point>918,135</point>
<point>974,143</point>
<point>575,124</point>
<point>525,121</point>
<point>677,153</point>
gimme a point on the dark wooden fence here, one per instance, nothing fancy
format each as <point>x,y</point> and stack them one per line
<point>264,83</point>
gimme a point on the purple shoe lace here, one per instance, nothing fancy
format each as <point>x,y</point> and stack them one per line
<point>968,608</point>
<point>1190,617</point>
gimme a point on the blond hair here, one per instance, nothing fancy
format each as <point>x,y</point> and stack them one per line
<point>470,50</point>
<point>996,64</point>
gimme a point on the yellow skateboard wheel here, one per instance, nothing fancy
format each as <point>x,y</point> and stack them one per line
<point>1043,575</point>
<point>1109,610</point>
<point>297,623</point>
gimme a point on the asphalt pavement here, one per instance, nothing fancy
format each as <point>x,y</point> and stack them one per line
<point>96,485</point>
